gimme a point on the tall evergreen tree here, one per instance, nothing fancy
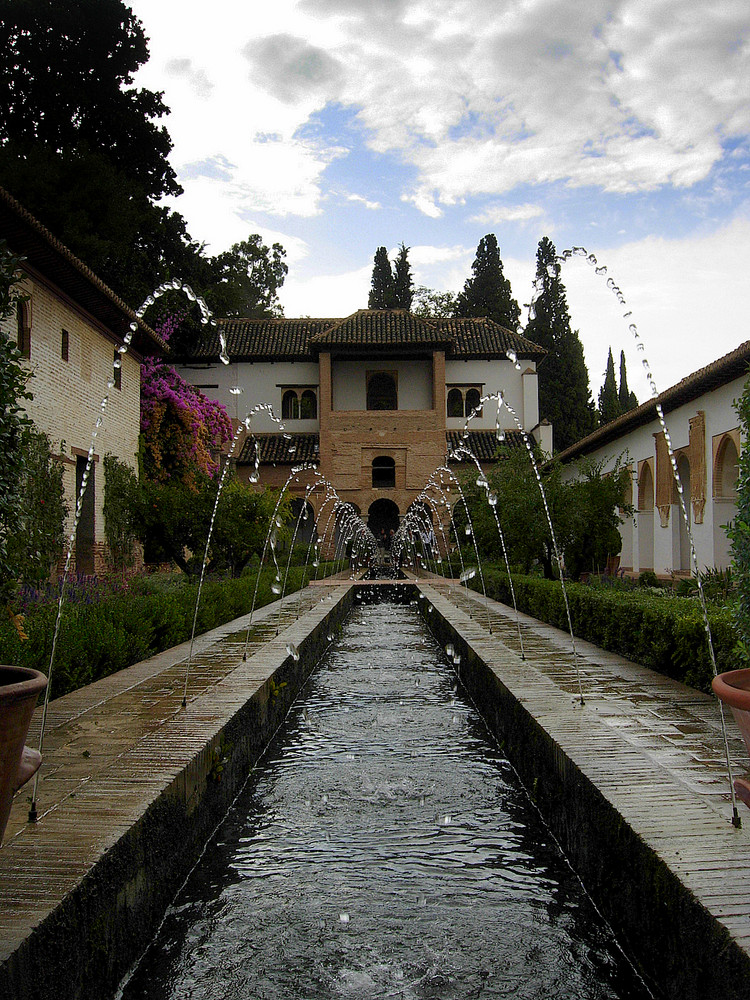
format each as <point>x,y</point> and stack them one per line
<point>609,403</point>
<point>404,286</point>
<point>628,399</point>
<point>383,289</point>
<point>564,394</point>
<point>489,293</point>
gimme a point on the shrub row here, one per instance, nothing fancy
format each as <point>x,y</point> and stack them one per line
<point>664,633</point>
<point>96,639</point>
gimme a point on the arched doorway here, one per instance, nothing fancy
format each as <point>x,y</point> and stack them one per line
<point>306,521</point>
<point>382,519</point>
<point>645,518</point>
<point>726,472</point>
<point>683,470</point>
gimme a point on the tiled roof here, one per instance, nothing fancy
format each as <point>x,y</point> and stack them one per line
<point>483,337</point>
<point>726,369</point>
<point>44,253</point>
<point>396,329</point>
<point>263,339</point>
<point>275,448</point>
<point>484,444</point>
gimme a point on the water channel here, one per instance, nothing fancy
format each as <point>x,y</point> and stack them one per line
<point>383,847</point>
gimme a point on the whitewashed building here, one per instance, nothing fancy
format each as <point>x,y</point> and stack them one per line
<point>69,328</point>
<point>702,421</point>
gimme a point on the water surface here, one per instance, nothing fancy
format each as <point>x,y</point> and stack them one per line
<point>383,848</point>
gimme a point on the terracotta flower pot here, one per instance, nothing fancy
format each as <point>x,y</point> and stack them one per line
<point>733,688</point>
<point>19,689</point>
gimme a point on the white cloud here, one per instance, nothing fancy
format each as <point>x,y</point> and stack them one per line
<point>360,199</point>
<point>479,97</point>
<point>493,215</point>
<point>329,295</point>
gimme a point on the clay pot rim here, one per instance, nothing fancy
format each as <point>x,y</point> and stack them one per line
<point>30,683</point>
<point>733,687</point>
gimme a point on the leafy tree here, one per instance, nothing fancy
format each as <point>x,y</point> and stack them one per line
<point>596,499</point>
<point>67,72</point>
<point>14,425</point>
<point>246,279</point>
<point>383,288</point>
<point>430,304</point>
<point>628,399</point>
<point>583,510</point>
<point>40,541</point>
<point>168,517</point>
<point>609,403</point>
<point>488,292</point>
<point>81,148</point>
<point>402,280</point>
<point>564,394</point>
<point>242,521</point>
<point>120,504</point>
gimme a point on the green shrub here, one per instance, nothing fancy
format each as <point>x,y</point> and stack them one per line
<point>104,634</point>
<point>662,632</point>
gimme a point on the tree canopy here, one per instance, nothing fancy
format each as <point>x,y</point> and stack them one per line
<point>247,279</point>
<point>609,403</point>
<point>83,150</point>
<point>488,292</point>
<point>383,287</point>
<point>403,284</point>
<point>613,400</point>
<point>564,394</point>
<point>391,287</point>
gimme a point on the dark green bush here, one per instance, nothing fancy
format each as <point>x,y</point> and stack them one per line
<point>99,637</point>
<point>665,633</point>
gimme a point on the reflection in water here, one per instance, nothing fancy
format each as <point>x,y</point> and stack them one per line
<point>383,848</point>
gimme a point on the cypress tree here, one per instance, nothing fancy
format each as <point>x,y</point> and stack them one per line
<point>628,399</point>
<point>383,289</point>
<point>403,284</point>
<point>609,403</point>
<point>489,293</point>
<point>564,394</point>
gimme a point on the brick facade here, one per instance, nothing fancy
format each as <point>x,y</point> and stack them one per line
<point>72,326</point>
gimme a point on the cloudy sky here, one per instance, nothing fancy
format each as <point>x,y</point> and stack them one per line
<point>337,126</point>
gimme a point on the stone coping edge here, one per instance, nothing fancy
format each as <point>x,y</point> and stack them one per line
<point>680,948</point>
<point>86,945</point>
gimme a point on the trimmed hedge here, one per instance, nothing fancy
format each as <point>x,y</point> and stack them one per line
<point>97,639</point>
<point>665,633</point>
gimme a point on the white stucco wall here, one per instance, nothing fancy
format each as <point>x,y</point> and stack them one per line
<point>491,377</point>
<point>349,382</point>
<point>260,382</point>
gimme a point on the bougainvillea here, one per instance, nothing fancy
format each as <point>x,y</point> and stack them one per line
<point>182,430</point>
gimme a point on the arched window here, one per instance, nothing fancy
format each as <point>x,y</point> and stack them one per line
<point>289,405</point>
<point>726,471</point>
<point>646,488</point>
<point>472,401</point>
<point>381,391</point>
<point>383,473</point>
<point>24,330</point>
<point>455,403</point>
<point>308,409</point>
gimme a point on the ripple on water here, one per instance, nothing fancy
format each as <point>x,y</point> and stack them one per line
<point>383,849</point>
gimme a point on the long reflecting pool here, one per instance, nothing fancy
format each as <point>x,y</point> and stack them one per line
<point>383,848</point>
